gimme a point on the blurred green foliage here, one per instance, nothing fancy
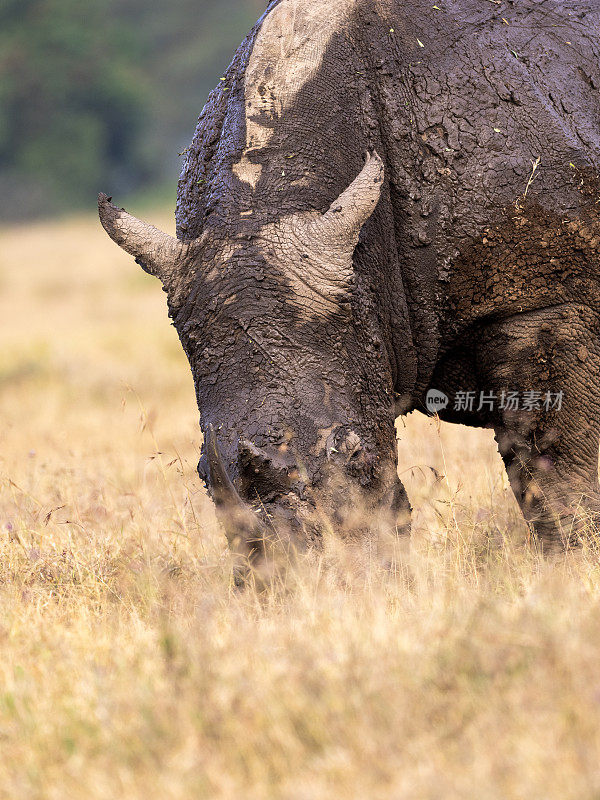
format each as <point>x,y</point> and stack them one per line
<point>102,95</point>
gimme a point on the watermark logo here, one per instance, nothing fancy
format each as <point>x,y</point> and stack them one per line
<point>436,401</point>
<point>529,400</point>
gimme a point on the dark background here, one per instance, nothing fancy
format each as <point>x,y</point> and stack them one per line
<point>104,94</point>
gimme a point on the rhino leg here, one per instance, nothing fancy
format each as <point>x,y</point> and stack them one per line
<point>550,451</point>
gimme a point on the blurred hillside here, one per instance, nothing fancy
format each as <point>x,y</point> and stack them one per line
<point>104,95</point>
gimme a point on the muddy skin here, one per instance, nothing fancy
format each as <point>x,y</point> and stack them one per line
<point>383,198</point>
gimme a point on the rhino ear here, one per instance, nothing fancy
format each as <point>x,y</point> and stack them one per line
<point>156,252</point>
<point>343,221</point>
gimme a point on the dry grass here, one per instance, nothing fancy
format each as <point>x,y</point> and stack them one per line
<point>129,668</point>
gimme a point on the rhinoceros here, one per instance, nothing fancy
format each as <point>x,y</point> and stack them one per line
<point>390,206</point>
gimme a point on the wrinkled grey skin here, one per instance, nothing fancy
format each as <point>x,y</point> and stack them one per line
<point>360,220</point>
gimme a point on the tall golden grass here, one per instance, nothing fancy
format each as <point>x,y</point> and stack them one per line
<point>131,668</point>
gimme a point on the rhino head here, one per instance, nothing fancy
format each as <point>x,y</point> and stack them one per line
<point>291,370</point>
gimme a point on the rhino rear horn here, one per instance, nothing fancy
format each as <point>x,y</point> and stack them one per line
<point>155,251</point>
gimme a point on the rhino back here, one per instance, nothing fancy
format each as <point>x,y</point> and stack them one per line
<point>490,114</point>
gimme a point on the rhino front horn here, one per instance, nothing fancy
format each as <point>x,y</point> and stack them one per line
<point>222,489</point>
<point>245,532</point>
<point>155,251</point>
